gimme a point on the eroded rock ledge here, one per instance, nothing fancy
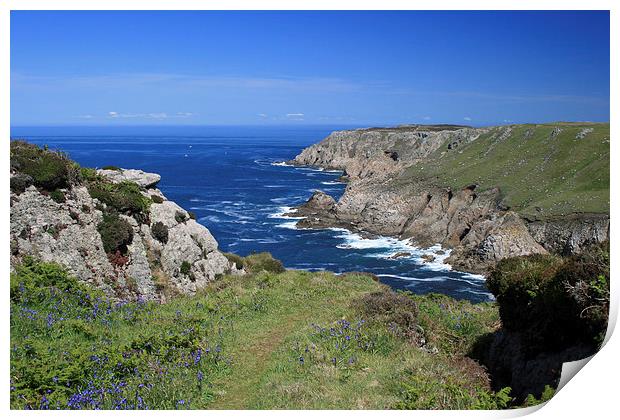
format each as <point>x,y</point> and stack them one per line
<point>183,261</point>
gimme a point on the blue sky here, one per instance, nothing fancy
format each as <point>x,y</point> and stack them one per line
<point>331,68</point>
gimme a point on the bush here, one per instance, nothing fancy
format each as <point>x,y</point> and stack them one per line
<point>518,282</point>
<point>115,232</point>
<point>555,303</point>
<point>89,174</point>
<point>58,196</point>
<point>125,196</point>
<point>180,217</point>
<point>186,268</point>
<point>395,310</point>
<point>234,258</point>
<point>192,215</point>
<point>49,170</point>
<point>20,182</point>
<point>160,232</point>
<point>263,261</point>
<point>32,275</point>
<point>156,199</point>
<point>111,168</point>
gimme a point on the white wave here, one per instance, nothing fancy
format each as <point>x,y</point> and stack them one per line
<point>415,279</point>
<point>281,213</point>
<point>288,225</point>
<point>317,169</point>
<point>332,183</point>
<point>280,164</point>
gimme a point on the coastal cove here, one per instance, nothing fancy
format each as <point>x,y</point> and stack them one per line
<point>230,177</point>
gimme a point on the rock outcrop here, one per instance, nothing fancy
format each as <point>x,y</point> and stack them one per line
<point>381,198</point>
<point>66,233</point>
<point>379,151</point>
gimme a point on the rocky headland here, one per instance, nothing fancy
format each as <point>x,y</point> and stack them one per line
<point>113,229</point>
<point>486,193</point>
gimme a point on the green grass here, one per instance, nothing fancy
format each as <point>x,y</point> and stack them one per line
<point>534,170</point>
<point>266,340</point>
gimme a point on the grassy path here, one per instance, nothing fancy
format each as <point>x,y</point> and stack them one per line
<point>253,356</point>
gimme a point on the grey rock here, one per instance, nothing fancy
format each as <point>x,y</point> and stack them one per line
<point>143,179</point>
<point>66,233</point>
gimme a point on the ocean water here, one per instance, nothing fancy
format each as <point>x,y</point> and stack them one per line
<point>231,177</point>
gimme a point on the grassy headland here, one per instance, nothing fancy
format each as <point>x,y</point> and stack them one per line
<point>541,169</point>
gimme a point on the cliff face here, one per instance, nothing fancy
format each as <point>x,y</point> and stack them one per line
<point>151,267</point>
<point>369,152</point>
<point>395,189</point>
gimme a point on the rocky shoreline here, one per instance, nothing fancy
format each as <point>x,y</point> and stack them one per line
<point>474,222</point>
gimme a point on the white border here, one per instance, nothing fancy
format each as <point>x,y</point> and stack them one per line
<point>591,395</point>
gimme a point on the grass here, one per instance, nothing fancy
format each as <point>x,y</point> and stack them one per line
<point>540,174</point>
<point>266,340</point>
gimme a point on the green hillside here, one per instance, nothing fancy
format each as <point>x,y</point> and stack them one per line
<point>267,340</point>
<point>541,169</point>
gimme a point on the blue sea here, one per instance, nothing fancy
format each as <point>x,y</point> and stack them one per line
<point>232,179</point>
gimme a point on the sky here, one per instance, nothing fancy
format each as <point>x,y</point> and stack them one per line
<point>305,68</point>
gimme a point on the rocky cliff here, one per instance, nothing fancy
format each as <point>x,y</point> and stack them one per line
<point>161,250</point>
<point>487,193</point>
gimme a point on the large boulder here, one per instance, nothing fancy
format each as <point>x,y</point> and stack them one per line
<point>143,179</point>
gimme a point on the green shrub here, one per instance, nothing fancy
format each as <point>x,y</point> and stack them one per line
<point>111,168</point>
<point>234,258</point>
<point>125,196</point>
<point>32,275</point>
<point>20,182</point>
<point>89,174</point>
<point>160,232</point>
<point>156,199</point>
<point>186,268</point>
<point>554,302</point>
<point>397,311</point>
<point>115,232</point>
<point>192,215</point>
<point>518,282</point>
<point>263,261</point>
<point>49,169</point>
<point>58,196</point>
<point>180,217</point>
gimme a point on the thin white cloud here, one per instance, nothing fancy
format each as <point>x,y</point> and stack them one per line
<point>467,118</point>
<point>426,118</point>
<point>262,115</point>
<point>295,116</point>
<point>149,115</point>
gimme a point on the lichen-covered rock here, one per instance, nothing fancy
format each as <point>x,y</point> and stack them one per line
<point>67,233</point>
<point>143,179</point>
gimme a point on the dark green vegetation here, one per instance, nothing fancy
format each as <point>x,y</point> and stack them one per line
<point>46,169</point>
<point>53,173</point>
<point>123,197</point>
<point>266,340</point>
<point>555,302</point>
<point>541,169</point>
<point>115,232</point>
<point>160,232</point>
<point>255,263</point>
